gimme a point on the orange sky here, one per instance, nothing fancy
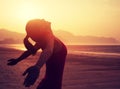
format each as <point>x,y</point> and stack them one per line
<point>81,17</point>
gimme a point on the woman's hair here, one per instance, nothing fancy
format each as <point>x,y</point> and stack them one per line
<point>36,24</point>
<point>38,28</point>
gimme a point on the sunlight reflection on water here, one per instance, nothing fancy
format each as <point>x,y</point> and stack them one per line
<point>103,54</point>
<point>14,46</point>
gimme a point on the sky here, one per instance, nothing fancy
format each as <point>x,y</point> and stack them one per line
<point>80,17</point>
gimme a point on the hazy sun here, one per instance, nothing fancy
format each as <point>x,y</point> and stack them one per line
<point>27,11</point>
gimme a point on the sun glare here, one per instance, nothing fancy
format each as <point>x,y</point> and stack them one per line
<point>27,11</point>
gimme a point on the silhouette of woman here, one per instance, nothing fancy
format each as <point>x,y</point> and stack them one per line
<point>53,55</point>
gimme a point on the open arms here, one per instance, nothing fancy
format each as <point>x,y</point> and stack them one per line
<point>31,50</point>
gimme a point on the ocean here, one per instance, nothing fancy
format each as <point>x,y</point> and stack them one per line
<point>94,50</point>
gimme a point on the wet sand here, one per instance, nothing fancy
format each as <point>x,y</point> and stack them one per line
<point>81,71</point>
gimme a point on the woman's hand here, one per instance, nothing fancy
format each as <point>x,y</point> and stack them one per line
<point>32,75</point>
<point>29,46</point>
<point>12,62</point>
<point>26,41</point>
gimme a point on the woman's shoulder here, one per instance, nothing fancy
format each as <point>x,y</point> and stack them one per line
<point>58,42</point>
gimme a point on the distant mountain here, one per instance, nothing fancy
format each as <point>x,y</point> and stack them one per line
<point>69,38</point>
<point>7,36</point>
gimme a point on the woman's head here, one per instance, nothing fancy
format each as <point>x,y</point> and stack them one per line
<point>38,28</point>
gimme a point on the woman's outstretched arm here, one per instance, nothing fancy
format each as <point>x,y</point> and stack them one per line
<point>15,61</point>
<point>31,51</point>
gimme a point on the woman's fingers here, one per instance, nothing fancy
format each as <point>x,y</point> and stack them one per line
<point>12,62</point>
<point>32,75</point>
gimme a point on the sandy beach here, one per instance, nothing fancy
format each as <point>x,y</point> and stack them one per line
<point>81,71</point>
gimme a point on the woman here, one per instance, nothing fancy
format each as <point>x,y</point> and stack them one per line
<point>53,55</point>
